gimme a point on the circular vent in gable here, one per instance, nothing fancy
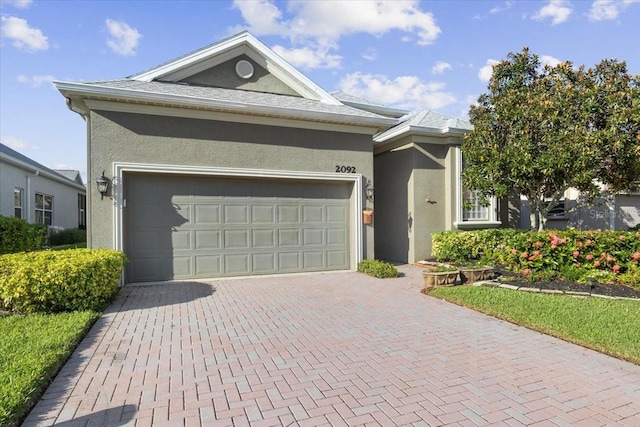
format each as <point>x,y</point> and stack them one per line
<point>244,69</point>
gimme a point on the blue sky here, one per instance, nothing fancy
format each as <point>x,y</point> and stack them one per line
<point>410,54</point>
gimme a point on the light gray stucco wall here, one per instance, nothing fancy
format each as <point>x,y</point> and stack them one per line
<point>149,139</point>
<point>224,75</point>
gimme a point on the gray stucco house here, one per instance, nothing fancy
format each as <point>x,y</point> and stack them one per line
<point>40,195</point>
<point>228,161</point>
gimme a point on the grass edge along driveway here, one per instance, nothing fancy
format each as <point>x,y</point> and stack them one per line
<point>33,348</point>
<point>606,325</point>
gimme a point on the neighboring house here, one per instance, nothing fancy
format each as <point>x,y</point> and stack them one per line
<point>618,212</point>
<point>40,195</point>
<point>228,161</point>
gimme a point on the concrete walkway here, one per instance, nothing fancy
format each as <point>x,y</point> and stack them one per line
<point>326,349</point>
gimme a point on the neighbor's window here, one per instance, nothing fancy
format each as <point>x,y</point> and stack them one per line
<point>44,209</point>
<point>17,202</point>
<point>557,211</point>
<point>470,210</point>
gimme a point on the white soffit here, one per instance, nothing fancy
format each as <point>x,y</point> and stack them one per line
<point>227,49</point>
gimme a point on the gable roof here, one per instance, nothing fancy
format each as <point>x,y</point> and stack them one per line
<point>164,86</point>
<point>425,123</point>
<point>229,48</point>
<point>10,156</point>
<point>71,174</point>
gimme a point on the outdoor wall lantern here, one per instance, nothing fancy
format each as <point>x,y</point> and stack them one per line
<point>368,189</point>
<point>103,185</point>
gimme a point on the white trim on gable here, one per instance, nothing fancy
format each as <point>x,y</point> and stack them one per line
<point>242,43</point>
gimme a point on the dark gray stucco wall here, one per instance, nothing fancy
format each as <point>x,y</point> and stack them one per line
<point>150,139</point>
<point>392,171</point>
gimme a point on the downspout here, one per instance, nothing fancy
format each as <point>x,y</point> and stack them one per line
<point>28,198</point>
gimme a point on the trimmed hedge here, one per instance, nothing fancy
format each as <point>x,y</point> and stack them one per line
<point>603,256</point>
<point>67,236</point>
<point>59,281</point>
<point>16,235</point>
<point>377,268</point>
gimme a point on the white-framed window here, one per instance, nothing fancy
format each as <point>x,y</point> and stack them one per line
<point>18,202</point>
<point>470,212</point>
<point>44,209</point>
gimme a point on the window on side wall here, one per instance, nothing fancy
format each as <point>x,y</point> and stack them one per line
<point>558,211</point>
<point>470,212</point>
<point>44,209</point>
<point>17,202</point>
<point>82,216</point>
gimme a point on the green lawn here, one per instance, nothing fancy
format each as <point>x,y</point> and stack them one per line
<point>606,325</point>
<point>32,350</point>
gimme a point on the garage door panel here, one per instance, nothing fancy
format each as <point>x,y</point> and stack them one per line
<point>208,265</point>
<point>313,260</point>
<point>181,240</point>
<point>263,214</point>
<point>207,239</point>
<point>264,263</point>
<point>313,237</point>
<point>311,214</point>
<point>263,238</point>
<point>337,259</point>
<point>236,214</point>
<point>288,237</point>
<point>336,214</point>
<point>207,214</point>
<point>235,239</point>
<point>289,261</point>
<point>212,226</point>
<point>236,264</point>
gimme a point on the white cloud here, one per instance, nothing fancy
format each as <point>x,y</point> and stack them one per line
<point>440,67</point>
<point>23,36</point>
<point>603,10</point>
<point>20,4</point>
<point>308,57</point>
<point>321,24</point>
<point>608,10</point>
<point>549,60</point>
<point>35,81</point>
<point>123,39</point>
<point>484,74</point>
<point>498,9</point>
<point>370,54</point>
<point>408,92</point>
<point>16,143</point>
<point>557,10</point>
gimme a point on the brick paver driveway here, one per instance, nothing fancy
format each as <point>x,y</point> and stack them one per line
<point>326,349</point>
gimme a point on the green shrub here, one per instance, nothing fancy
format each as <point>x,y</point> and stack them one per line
<point>609,256</point>
<point>67,236</point>
<point>377,268</point>
<point>57,281</point>
<point>16,235</point>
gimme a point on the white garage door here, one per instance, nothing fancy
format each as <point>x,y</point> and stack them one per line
<point>180,227</point>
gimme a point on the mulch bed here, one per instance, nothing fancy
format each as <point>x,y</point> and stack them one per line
<point>609,290</point>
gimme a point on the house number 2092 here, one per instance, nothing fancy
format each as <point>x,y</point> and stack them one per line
<point>345,169</point>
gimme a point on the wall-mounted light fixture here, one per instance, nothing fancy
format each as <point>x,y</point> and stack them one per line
<point>103,185</point>
<point>368,190</point>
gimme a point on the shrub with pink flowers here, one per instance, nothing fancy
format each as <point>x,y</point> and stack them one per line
<point>592,255</point>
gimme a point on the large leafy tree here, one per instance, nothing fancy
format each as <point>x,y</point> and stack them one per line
<point>541,130</point>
